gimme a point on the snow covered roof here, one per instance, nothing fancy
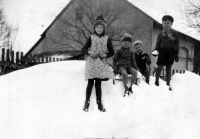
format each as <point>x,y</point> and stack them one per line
<point>173,10</point>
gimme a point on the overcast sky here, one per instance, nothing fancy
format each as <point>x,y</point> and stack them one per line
<point>33,16</point>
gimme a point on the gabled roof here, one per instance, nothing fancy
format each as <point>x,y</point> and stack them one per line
<point>44,33</point>
<point>150,12</point>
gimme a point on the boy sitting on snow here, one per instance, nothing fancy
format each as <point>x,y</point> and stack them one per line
<point>142,59</point>
<point>124,62</point>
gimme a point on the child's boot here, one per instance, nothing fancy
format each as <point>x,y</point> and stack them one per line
<point>130,89</point>
<point>86,106</point>
<point>170,88</point>
<point>157,83</point>
<point>126,92</point>
<point>100,106</point>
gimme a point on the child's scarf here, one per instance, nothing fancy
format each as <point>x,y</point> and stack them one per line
<point>168,34</point>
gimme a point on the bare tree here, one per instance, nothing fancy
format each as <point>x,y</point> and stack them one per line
<point>191,13</point>
<point>78,26</point>
<point>7,32</point>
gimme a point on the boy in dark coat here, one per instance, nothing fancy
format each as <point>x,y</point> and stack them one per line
<point>168,48</point>
<point>142,59</point>
<point>124,62</point>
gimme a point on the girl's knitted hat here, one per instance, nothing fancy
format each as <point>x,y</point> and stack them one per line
<point>99,20</point>
<point>138,42</point>
<point>126,37</point>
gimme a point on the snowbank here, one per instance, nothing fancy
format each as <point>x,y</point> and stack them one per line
<point>45,102</point>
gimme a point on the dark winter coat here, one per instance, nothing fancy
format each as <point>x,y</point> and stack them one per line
<point>168,49</point>
<point>164,43</point>
<point>124,57</point>
<point>142,60</point>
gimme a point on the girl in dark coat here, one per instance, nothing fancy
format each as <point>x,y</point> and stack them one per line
<point>98,47</point>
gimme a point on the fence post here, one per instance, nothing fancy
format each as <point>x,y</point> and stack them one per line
<point>7,55</point>
<point>54,59</point>
<point>12,56</point>
<point>42,59</point>
<point>47,60</point>
<point>34,60</point>
<point>50,59</point>
<point>3,60</point>
<point>12,61</point>
<point>22,59</point>
<point>7,67</point>
<point>17,57</point>
<point>3,55</point>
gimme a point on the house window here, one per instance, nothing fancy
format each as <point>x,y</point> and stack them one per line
<point>183,54</point>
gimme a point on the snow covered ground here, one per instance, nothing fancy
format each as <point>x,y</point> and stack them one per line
<point>45,102</point>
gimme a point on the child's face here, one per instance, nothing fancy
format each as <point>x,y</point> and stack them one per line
<point>166,24</point>
<point>126,44</point>
<point>99,29</point>
<point>138,48</point>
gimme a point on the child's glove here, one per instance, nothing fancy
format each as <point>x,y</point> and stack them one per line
<point>102,56</point>
<point>147,60</point>
<point>176,58</point>
<point>92,54</point>
<point>155,53</point>
<point>145,57</point>
<point>115,71</point>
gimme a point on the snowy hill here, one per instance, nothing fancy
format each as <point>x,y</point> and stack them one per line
<point>45,102</point>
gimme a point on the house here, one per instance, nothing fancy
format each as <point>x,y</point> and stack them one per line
<point>70,29</point>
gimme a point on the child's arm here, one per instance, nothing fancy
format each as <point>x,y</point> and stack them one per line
<point>86,46</point>
<point>115,59</point>
<point>177,42</point>
<point>148,60</point>
<point>110,48</point>
<point>158,43</point>
<point>133,61</point>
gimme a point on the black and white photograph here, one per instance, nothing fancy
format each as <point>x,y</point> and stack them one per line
<point>99,69</point>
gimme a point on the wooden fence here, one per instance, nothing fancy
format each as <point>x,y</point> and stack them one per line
<point>11,61</point>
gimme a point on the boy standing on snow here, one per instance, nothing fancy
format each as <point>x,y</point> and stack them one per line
<point>168,47</point>
<point>142,59</point>
<point>124,62</point>
<point>98,47</point>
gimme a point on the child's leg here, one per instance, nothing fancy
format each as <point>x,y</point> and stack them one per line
<point>89,89</point>
<point>134,75</point>
<point>88,94</point>
<point>168,73</point>
<point>158,72</point>
<point>147,75</point>
<point>125,78</point>
<point>98,90</point>
<point>98,95</point>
